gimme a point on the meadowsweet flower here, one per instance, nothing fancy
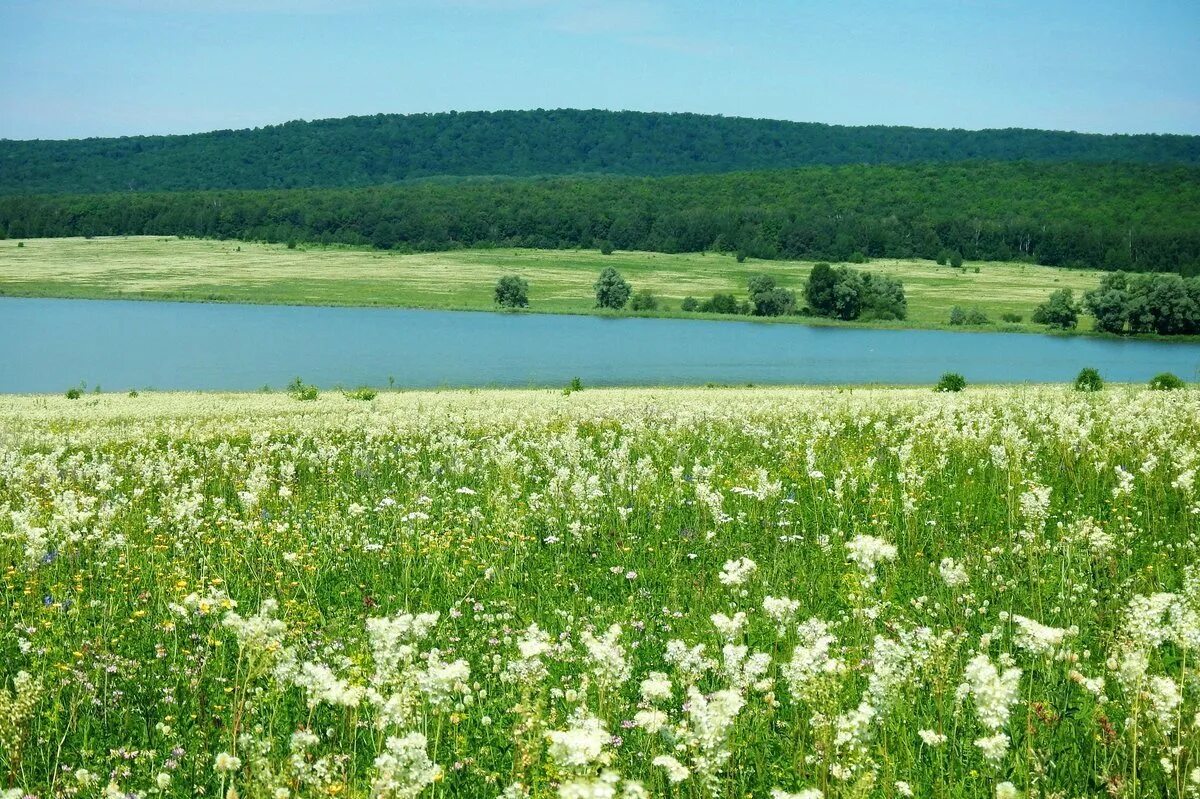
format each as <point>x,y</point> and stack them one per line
<point>782,611</point>
<point>867,551</point>
<point>676,771</point>
<point>403,769</point>
<point>807,793</point>
<point>609,662</point>
<point>737,572</point>
<point>729,627</point>
<point>993,747</point>
<point>953,573</point>
<point>579,746</point>
<point>932,738</point>
<point>656,687</point>
<point>1037,638</point>
<point>994,691</point>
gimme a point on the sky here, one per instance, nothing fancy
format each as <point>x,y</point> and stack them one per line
<point>77,68</point>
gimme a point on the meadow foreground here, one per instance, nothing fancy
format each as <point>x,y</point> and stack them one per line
<point>685,593</point>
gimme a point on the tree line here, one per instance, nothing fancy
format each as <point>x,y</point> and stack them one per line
<point>388,148</point>
<point>1108,216</point>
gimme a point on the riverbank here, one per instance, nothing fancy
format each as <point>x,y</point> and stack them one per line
<point>193,270</point>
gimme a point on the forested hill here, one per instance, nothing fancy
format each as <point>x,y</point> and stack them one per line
<point>389,148</point>
<point>1113,216</point>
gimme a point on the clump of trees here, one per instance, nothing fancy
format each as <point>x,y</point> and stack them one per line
<point>1167,304</point>
<point>767,298</point>
<point>643,300</point>
<point>612,290</point>
<point>971,316</point>
<point>845,293</point>
<point>512,291</point>
<point>1060,310</point>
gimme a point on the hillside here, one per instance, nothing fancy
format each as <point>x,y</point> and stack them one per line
<point>1084,215</point>
<point>389,148</point>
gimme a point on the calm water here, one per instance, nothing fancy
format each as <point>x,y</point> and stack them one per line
<point>49,345</point>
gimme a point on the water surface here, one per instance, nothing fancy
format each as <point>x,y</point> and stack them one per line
<point>49,345</point>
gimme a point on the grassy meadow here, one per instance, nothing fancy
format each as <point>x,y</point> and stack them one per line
<point>785,593</point>
<point>560,280</point>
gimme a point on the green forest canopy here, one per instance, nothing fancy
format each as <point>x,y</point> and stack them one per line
<point>389,148</point>
<point>1112,216</point>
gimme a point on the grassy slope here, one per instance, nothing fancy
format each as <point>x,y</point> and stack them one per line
<point>560,280</point>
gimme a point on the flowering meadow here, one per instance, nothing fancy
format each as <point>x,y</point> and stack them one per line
<point>766,593</point>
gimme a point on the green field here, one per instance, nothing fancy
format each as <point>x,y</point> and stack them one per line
<point>560,280</point>
<point>611,594</point>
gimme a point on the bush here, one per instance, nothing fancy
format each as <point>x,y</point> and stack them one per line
<point>951,381</point>
<point>611,290</point>
<point>943,257</point>
<point>74,393</point>
<point>976,317</point>
<point>720,303</point>
<point>606,248</point>
<point>1012,317</point>
<point>20,244</point>
<point>1166,382</point>
<point>643,301</point>
<point>1060,311</point>
<point>741,257</point>
<point>956,260</point>
<point>364,393</point>
<point>512,292</point>
<point>857,258</point>
<point>958,316</point>
<point>291,245</point>
<point>575,385</point>
<point>689,304</point>
<point>302,391</point>
<point>1089,380</point>
<point>768,299</point>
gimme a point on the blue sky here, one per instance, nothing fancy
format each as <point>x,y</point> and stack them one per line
<point>71,68</point>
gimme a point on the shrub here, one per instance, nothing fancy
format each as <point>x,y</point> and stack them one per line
<point>20,244</point>
<point>720,303</point>
<point>1009,316</point>
<point>689,304</point>
<point>611,290</point>
<point>857,258</point>
<point>951,381</point>
<point>1089,380</point>
<point>741,257</point>
<point>956,259</point>
<point>302,391</point>
<point>958,316</point>
<point>74,393</point>
<point>512,292</point>
<point>943,257</point>
<point>606,248</point>
<point>1166,382</point>
<point>768,299</point>
<point>364,393</point>
<point>575,385</point>
<point>291,245</point>
<point>1060,310</point>
<point>643,300</point>
<point>976,317</point>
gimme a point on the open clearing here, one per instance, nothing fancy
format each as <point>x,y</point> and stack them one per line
<point>560,280</point>
<point>681,592</point>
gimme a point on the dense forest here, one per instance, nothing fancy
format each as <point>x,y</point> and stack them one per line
<point>389,148</point>
<point>1130,217</point>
